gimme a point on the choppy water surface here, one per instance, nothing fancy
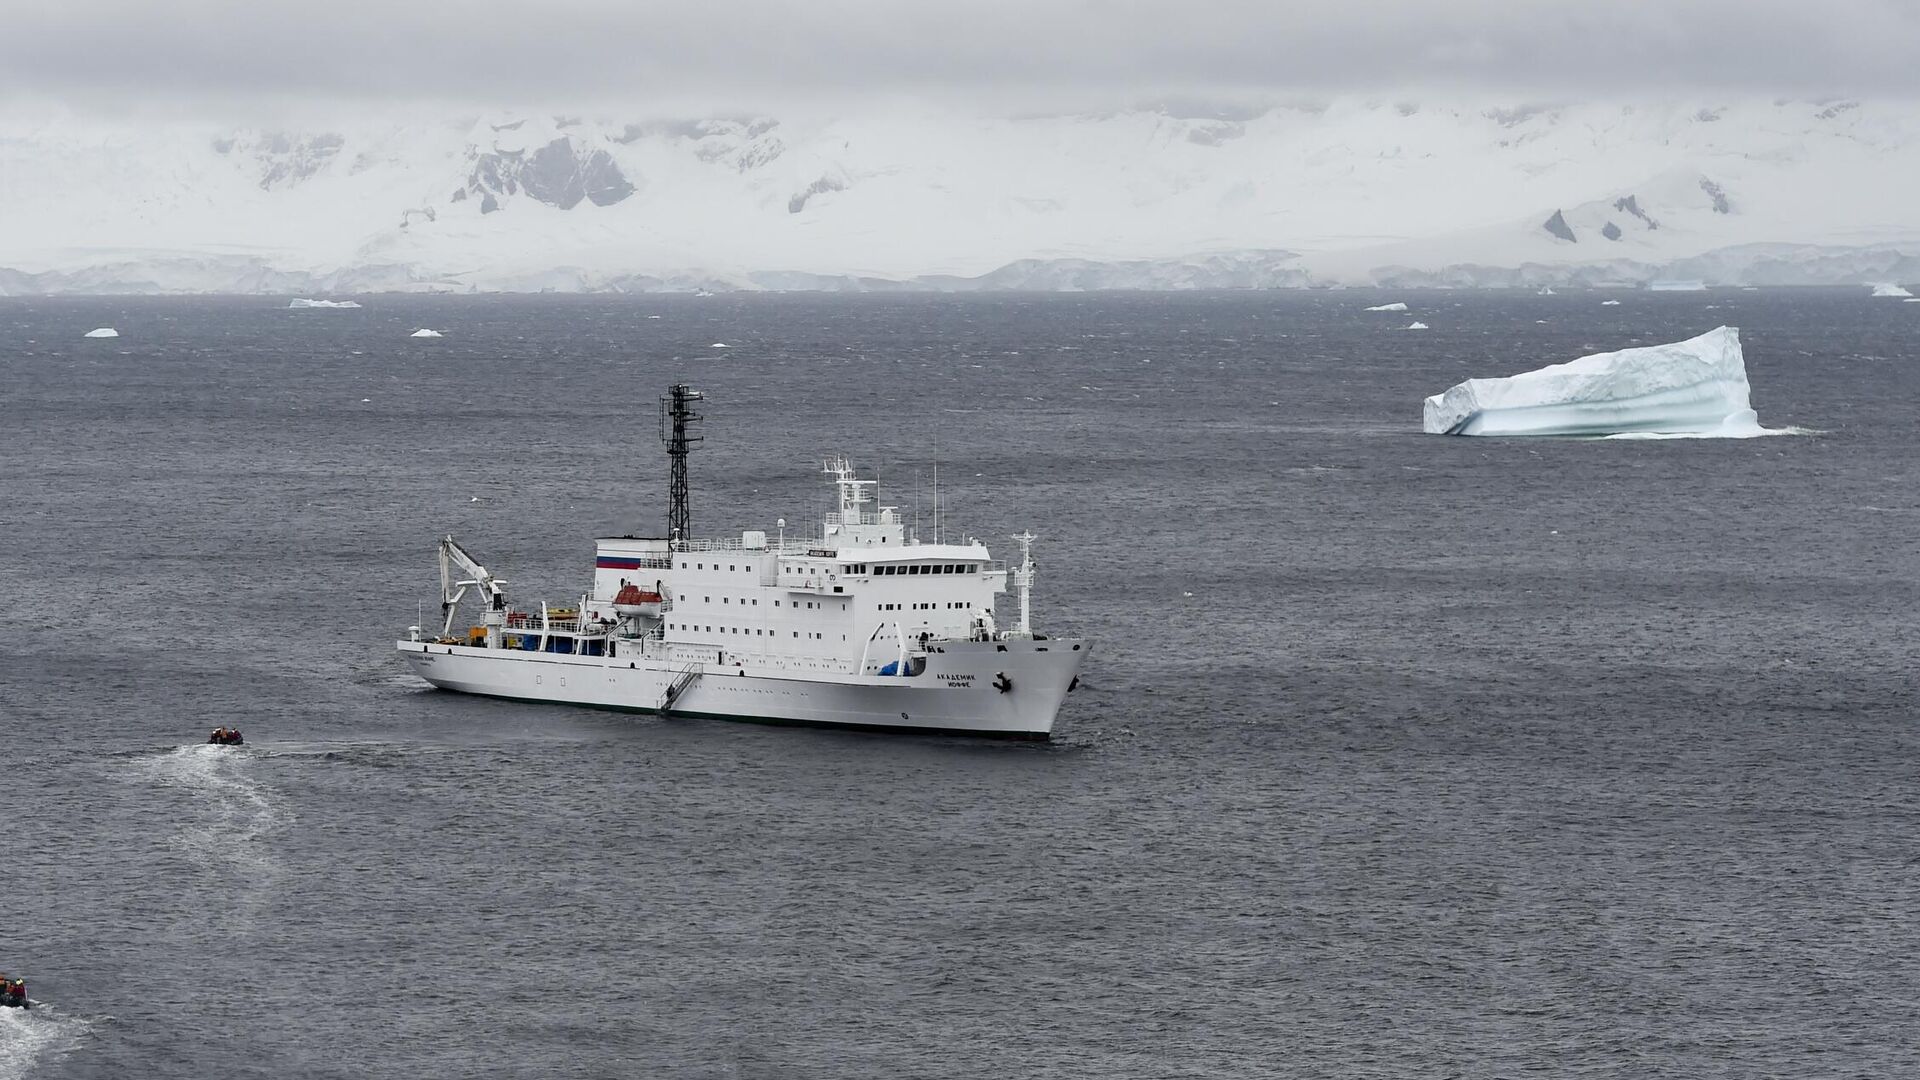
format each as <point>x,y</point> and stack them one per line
<point>1397,756</point>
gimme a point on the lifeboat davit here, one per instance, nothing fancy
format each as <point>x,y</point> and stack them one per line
<point>632,600</point>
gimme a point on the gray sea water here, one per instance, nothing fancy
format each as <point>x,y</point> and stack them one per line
<point>1396,755</point>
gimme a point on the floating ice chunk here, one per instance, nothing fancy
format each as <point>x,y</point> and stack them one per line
<point>1546,290</point>
<point>1396,306</point>
<point>1417,325</point>
<point>1697,387</point>
<point>1609,303</point>
<point>104,331</point>
<point>301,302</point>
<point>1911,300</point>
<point>1891,290</point>
<point>653,316</point>
<point>424,332</point>
<point>719,345</point>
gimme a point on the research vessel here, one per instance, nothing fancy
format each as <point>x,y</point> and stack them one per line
<point>859,623</point>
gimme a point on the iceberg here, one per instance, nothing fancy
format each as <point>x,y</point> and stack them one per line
<point>1609,303</point>
<point>1389,307</point>
<point>300,302</point>
<point>1416,325</point>
<point>1890,290</point>
<point>719,345</point>
<point>1698,387</point>
<point>424,332</point>
<point>104,331</point>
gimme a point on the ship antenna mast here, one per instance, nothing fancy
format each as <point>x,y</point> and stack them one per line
<point>676,421</point>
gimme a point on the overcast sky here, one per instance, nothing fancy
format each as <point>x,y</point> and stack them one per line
<point>1030,53</point>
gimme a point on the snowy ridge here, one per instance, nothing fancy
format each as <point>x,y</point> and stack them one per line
<point>1346,192</point>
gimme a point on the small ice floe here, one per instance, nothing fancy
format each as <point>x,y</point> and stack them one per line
<point>1395,306</point>
<point>653,316</point>
<point>365,400</point>
<point>719,345</point>
<point>299,302</point>
<point>1911,300</point>
<point>103,331</point>
<point>1890,289</point>
<point>1609,303</point>
<point>1417,325</point>
<point>424,332</point>
<point>474,499</point>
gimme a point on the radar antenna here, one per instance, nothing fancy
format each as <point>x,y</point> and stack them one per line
<point>676,420</point>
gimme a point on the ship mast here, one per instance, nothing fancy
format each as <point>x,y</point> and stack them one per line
<point>676,418</point>
<point>1023,584</point>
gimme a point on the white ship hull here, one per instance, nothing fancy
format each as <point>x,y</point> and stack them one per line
<point>958,693</point>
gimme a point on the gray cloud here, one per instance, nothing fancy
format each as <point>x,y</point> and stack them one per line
<point>760,53</point>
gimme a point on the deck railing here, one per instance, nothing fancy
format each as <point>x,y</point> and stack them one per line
<point>775,543</point>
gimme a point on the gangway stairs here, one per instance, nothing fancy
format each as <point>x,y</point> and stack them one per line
<point>678,685</point>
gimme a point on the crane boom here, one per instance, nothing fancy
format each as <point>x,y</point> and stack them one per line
<point>454,588</point>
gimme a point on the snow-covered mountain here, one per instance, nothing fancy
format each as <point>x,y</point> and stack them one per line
<point>1349,192</point>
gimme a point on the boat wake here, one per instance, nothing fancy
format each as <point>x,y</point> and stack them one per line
<point>226,814</point>
<point>30,1037</point>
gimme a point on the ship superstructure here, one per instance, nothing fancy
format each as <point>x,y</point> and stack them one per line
<point>860,624</point>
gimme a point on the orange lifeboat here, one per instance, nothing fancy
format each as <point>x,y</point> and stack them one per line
<point>632,601</point>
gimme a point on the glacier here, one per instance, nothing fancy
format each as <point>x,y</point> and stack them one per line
<point>859,197</point>
<point>1693,387</point>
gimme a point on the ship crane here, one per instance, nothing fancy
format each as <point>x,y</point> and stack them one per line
<point>453,590</point>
